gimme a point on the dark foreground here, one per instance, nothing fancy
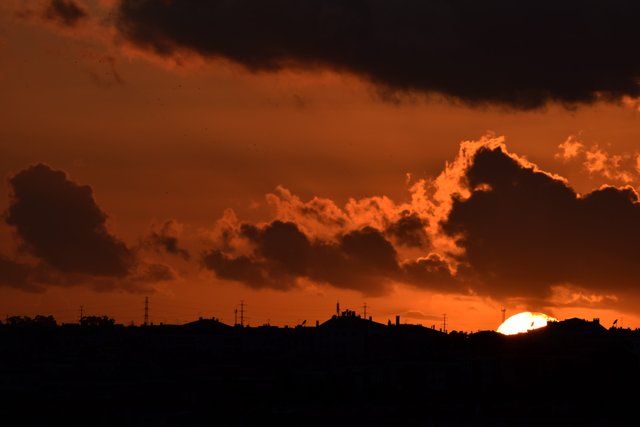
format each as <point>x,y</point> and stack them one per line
<point>347,372</point>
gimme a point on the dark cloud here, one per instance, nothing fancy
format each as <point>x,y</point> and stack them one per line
<point>524,231</point>
<point>60,223</point>
<point>165,237</point>
<point>409,231</point>
<point>492,225</point>
<point>368,247</point>
<point>519,54</point>
<point>67,13</point>
<point>247,270</point>
<point>281,254</point>
<point>64,240</point>
<point>432,272</point>
<point>283,245</point>
<point>362,260</point>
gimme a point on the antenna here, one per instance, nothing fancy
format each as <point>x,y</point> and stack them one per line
<point>444,323</point>
<point>504,310</point>
<point>146,311</point>
<point>241,312</point>
<point>365,309</point>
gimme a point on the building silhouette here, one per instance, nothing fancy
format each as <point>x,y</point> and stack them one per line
<point>347,370</point>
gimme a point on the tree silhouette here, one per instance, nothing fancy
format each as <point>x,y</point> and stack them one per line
<point>40,321</point>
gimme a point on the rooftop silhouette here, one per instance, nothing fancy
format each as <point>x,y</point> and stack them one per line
<point>348,370</point>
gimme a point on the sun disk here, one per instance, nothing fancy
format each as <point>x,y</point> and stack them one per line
<point>523,322</point>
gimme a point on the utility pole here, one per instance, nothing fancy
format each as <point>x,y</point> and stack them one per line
<point>504,311</point>
<point>444,323</point>
<point>241,312</point>
<point>146,311</point>
<point>365,309</point>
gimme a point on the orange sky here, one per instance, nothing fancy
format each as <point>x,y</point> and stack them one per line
<point>158,140</point>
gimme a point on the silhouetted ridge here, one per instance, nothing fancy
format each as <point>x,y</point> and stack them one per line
<point>348,370</point>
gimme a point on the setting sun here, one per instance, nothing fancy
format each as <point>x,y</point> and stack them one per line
<point>523,322</point>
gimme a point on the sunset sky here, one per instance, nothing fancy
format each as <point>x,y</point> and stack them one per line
<point>424,158</point>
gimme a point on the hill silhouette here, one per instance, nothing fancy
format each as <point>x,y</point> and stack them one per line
<point>345,371</point>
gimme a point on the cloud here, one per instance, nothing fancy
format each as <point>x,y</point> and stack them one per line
<point>570,149</point>
<point>64,239</point>
<point>67,13</point>
<point>165,237</point>
<point>319,217</point>
<point>523,231</point>
<point>520,55</point>
<point>367,245</point>
<point>597,161</point>
<point>322,218</point>
<point>281,253</point>
<point>432,272</point>
<point>492,224</point>
<point>409,230</point>
<point>61,224</point>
